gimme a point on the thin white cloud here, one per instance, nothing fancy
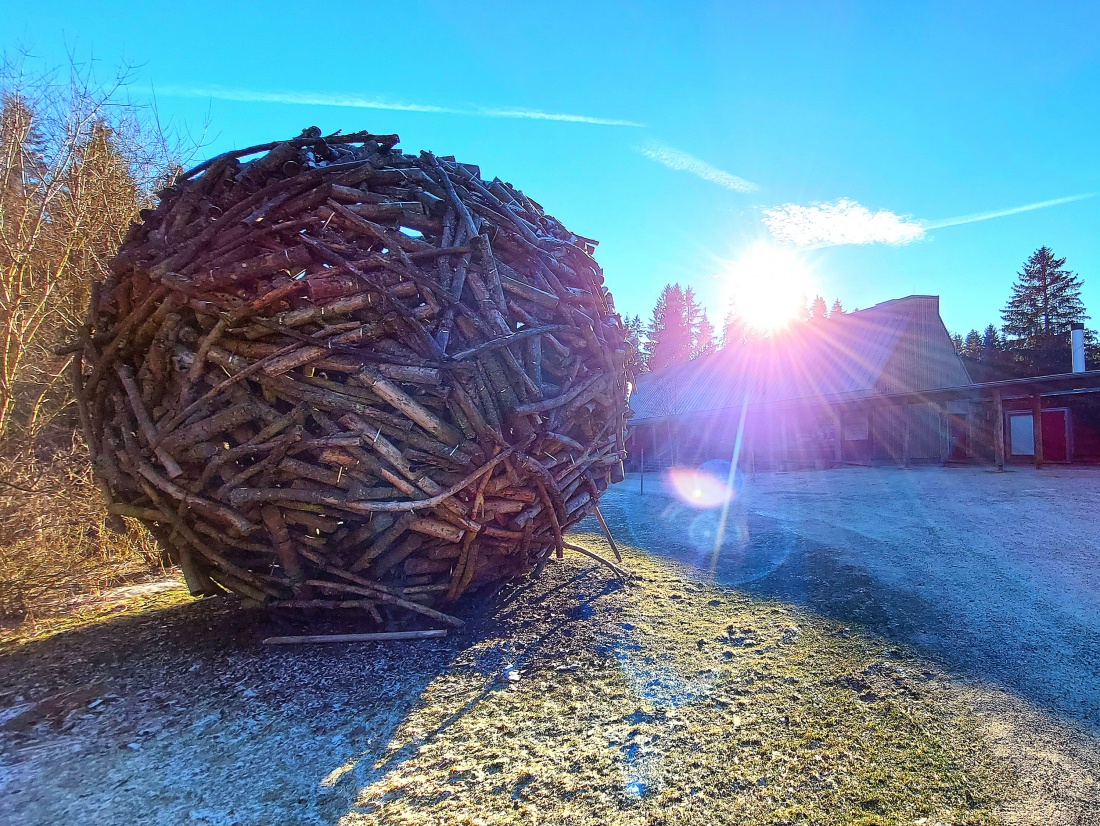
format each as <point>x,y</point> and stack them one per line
<point>300,98</point>
<point>1001,213</point>
<point>842,222</point>
<point>534,114</point>
<point>357,102</point>
<point>683,162</point>
<point>849,222</point>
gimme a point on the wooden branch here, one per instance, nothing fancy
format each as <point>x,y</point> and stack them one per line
<point>377,636</point>
<point>615,569</point>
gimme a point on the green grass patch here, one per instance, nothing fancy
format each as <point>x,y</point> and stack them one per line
<point>670,701</point>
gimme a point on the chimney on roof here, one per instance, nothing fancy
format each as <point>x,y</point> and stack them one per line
<point>1077,346</point>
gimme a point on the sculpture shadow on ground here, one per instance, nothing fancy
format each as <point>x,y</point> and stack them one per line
<point>173,708</point>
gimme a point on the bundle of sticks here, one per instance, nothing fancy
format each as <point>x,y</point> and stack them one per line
<point>326,373</point>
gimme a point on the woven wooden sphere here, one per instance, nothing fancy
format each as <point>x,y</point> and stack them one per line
<point>327,373</point>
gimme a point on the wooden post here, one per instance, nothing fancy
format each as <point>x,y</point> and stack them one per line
<point>641,468</point>
<point>378,636</point>
<point>838,437</point>
<point>998,432</point>
<point>784,445</point>
<point>1037,419</point>
<point>905,435</point>
<point>945,436</point>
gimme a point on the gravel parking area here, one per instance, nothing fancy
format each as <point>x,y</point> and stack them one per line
<point>997,575</point>
<point>994,576</point>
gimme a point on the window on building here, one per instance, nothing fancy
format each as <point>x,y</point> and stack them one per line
<point>1021,434</point>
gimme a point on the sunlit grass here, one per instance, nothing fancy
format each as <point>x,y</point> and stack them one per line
<point>665,701</point>
<point>680,703</point>
<point>34,629</point>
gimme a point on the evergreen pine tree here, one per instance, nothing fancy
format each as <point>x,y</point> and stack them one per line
<point>655,331</point>
<point>733,328</point>
<point>635,329</point>
<point>634,326</point>
<point>704,337</point>
<point>693,312</point>
<point>972,345</point>
<point>991,340</point>
<point>836,309</point>
<point>803,308</point>
<point>670,332</point>
<point>1046,298</point>
<point>818,309</point>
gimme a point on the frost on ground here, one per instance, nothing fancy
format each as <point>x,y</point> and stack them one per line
<point>787,678</point>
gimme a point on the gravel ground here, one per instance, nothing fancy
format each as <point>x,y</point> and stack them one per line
<point>997,575</point>
<point>994,576</point>
<point>866,645</point>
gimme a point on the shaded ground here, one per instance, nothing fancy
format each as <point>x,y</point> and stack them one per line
<point>790,694</point>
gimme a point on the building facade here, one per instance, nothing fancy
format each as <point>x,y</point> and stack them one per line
<point>881,385</point>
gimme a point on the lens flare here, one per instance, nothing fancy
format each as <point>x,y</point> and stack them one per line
<point>768,285</point>
<point>699,488</point>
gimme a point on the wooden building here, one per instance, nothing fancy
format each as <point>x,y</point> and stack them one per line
<point>881,385</point>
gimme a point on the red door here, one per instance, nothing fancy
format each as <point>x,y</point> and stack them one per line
<point>960,447</point>
<point>1055,436</point>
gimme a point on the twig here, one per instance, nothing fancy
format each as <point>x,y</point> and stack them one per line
<point>379,636</point>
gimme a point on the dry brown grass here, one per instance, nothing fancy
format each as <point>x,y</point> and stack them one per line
<point>77,163</point>
<point>56,549</point>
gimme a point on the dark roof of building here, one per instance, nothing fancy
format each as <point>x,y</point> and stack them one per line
<point>898,346</point>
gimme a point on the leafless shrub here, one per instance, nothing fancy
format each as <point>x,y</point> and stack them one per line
<point>78,163</point>
<point>55,544</point>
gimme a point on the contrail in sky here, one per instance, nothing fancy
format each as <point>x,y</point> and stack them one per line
<point>356,102</point>
<point>846,222</point>
<point>1001,213</point>
<point>683,162</point>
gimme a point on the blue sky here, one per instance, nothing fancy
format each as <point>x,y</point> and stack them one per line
<point>722,124</point>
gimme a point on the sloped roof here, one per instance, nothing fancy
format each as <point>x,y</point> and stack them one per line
<point>894,347</point>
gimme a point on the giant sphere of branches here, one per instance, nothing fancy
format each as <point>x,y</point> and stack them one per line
<point>326,373</point>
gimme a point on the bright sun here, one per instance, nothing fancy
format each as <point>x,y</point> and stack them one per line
<point>768,285</point>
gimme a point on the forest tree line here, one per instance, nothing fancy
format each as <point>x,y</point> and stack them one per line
<point>77,166</point>
<point>680,329</point>
<point>1033,338</point>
